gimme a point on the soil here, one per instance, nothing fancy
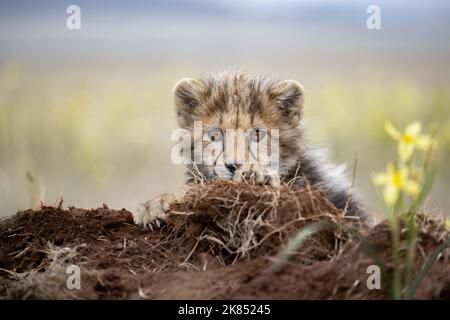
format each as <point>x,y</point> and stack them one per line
<point>221,241</point>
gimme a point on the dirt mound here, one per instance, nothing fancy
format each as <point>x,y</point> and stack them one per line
<point>220,241</point>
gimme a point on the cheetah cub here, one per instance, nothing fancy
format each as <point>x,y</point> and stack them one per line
<point>239,101</point>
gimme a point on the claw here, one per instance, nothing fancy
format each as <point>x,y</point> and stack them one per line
<point>260,175</point>
<point>151,215</point>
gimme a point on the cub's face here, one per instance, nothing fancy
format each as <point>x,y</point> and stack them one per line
<point>232,111</point>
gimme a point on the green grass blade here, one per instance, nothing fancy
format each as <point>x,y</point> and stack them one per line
<point>410,292</point>
<point>296,241</point>
<point>428,183</point>
<point>411,245</point>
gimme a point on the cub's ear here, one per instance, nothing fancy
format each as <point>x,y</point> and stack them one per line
<point>289,96</point>
<point>187,94</point>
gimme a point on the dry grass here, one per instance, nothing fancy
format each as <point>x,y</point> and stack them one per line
<point>221,232</point>
<point>235,220</point>
<point>49,277</point>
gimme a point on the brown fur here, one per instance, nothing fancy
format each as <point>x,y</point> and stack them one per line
<point>239,101</point>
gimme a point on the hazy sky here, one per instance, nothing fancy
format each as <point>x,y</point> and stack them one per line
<point>37,29</point>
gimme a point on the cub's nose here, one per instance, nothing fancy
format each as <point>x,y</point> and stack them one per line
<point>232,167</point>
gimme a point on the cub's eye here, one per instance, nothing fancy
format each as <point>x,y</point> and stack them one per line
<point>257,134</point>
<point>214,134</point>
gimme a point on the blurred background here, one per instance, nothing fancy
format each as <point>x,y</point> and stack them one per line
<point>87,114</point>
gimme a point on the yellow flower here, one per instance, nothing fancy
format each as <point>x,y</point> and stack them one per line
<point>410,139</point>
<point>394,181</point>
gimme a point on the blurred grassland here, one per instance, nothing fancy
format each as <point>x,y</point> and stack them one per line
<point>104,137</point>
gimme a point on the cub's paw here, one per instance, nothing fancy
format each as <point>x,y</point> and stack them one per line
<point>260,174</point>
<point>153,213</point>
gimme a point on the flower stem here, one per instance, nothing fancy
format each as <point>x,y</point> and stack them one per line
<point>396,280</point>
<point>412,244</point>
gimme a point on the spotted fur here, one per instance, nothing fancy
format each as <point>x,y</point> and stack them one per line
<point>234,100</point>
